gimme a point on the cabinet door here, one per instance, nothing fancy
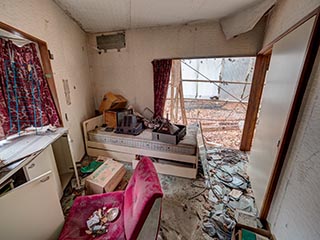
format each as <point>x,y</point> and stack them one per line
<point>287,60</point>
<point>44,162</point>
<point>31,211</point>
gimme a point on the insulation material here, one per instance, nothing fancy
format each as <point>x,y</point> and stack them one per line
<point>245,21</point>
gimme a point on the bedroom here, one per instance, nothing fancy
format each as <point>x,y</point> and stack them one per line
<point>129,73</point>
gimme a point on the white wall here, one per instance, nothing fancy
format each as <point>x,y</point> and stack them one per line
<point>130,73</point>
<point>295,210</point>
<point>285,14</point>
<point>45,20</point>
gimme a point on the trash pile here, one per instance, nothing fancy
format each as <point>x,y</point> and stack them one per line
<point>230,194</point>
<point>98,222</point>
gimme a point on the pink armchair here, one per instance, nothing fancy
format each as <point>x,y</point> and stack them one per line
<point>139,204</point>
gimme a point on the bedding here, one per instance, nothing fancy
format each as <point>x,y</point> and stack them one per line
<point>187,146</point>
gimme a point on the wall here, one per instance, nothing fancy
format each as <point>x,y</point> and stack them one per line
<point>45,20</point>
<point>295,210</point>
<point>285,14</point>
<point>130,73</point>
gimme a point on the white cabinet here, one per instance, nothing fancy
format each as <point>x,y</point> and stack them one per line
<point>43,163</point>
<point>286,64</point>
<point>31,211</point>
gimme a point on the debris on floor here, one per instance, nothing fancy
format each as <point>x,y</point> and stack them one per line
<point>229,192</point>
<point>221,121</point>
<point>208,207</point>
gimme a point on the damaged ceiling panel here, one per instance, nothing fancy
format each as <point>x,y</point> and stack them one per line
<point>245,20</point>
<point>108,15</point>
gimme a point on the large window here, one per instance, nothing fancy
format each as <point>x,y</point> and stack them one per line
<point>214,91</point>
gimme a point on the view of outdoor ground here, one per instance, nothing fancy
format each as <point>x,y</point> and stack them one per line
<point>216,92</point>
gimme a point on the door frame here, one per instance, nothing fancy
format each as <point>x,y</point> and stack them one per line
<point>291,121</point>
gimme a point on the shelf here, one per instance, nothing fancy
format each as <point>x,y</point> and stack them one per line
<point>65,179</point>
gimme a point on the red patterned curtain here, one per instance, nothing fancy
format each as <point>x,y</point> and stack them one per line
<point>25,97</point>
<point>161,77</point>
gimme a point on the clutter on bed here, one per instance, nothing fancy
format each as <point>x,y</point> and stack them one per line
<point>113,118</point>
<point>169,133</point>
<point>123,134</point>
<point>112,102</point>
<point>125,147</point>
<point>130,125</point>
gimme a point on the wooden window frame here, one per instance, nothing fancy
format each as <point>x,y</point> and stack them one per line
<point>45,59</point>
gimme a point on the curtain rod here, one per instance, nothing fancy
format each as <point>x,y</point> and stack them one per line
<point>20,39</point>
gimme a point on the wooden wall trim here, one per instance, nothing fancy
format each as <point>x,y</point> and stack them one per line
<point>47,69</point>
<point>258,79</point>
<point>294,112</point>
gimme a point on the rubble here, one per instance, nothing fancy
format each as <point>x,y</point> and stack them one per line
<point>222,121</point>
<point>229,192</point>
<point>205,208</point>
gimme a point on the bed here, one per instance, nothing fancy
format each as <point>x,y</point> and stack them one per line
<point>178,160</point>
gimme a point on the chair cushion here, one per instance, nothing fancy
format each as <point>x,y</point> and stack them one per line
<point>83,207</point>
<point>142,191</point>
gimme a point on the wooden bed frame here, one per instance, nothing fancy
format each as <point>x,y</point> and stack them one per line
<point>181,165</point>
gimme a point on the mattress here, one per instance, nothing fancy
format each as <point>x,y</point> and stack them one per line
<point>187,146</point>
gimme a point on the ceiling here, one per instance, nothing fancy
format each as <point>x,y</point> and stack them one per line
<point>111,15</point>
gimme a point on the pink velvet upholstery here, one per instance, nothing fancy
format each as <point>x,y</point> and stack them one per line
<point>142,190</point>
<point>134,204</point>
<point>83,207</point>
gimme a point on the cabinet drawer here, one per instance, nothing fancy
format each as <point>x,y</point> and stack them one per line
<point>39,165</point>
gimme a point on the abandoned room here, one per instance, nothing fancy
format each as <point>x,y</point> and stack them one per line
<point>168,120</point>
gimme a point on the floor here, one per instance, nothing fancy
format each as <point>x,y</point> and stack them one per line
<point>190,206</point>
<point>222,121</point>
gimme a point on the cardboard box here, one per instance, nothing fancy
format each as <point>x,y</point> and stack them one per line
<point>112,101</point>
<point>260,234</point>
<point>106,177</point>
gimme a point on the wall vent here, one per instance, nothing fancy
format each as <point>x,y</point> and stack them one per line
<point>111,41</point>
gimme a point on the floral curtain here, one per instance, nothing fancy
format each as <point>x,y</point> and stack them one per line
<point>25,97</point>
<point>161,77</point>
